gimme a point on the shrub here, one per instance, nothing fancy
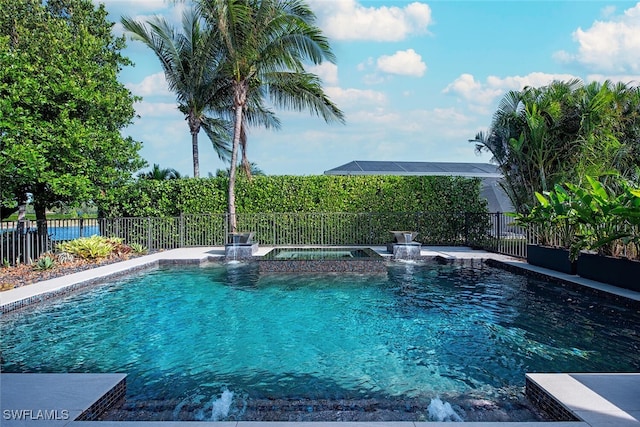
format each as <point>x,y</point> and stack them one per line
<point>45,262</point>
<point>286,194</point>
<point>138,249</point>
<point>64,257</point>
<point>90,248</point>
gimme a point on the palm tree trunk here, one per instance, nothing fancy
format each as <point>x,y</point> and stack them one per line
<point>239,101</point>
<point>194,128</point>
<point>196,159</point>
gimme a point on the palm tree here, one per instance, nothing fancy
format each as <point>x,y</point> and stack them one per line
<point>189,60</point>
<point>265,44</point>
<point>160,174</point>
<point>531,138</point>
<point>254,170</point>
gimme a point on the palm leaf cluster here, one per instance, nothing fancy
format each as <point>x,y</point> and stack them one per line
<point>233,61</point>
<point>563,132</point>
<point>189,66</point>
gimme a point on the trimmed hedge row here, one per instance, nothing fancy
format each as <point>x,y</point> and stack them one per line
<point>319,193</point>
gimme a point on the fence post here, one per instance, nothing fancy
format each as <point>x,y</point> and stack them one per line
<point>149,240</point>
<point>181,229</point>
<point>26,245</point>
<point>499,230</point>
<point>225,228</point>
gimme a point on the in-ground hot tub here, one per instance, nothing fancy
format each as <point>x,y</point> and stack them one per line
<point>338,260</point>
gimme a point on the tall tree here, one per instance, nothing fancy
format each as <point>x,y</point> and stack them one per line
<point>190,61</point>
<point>563,132</point>
<point>528,140</point>
<point>61,105</point>
<point>266,44</point>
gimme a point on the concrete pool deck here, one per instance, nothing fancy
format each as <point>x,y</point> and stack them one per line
<point>598,400</point>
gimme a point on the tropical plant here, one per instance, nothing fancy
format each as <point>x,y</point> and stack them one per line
<point>254,170</point>
<point>604,219</point>
<point>65,257</point>
<point>46,262</point>
<point>89,248</point>
<point>265,45</point>
<point>559,133</point>
<point>138,249</point>
<point>159,174</point>
<point>190,61</point>
<point>552,220</point>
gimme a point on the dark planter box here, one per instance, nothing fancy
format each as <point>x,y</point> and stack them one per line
<point>620,272</point>
<point>552,258</point>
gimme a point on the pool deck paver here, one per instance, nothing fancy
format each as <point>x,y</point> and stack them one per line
<point>599,400</point>
<point>50,399</point>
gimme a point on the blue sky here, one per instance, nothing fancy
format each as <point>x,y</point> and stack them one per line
<point>415,79</point>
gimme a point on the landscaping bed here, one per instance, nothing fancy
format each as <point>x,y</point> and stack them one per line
<point>23,274</point>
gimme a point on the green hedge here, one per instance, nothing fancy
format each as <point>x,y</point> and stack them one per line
<point>170,198</point>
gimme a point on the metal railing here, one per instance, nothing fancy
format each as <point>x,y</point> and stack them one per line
<point>26,241</point>
<point>505,237</point>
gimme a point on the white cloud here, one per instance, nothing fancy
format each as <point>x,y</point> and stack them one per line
<point>609,46</point>
<point>353,97</point>
<point>535,79</point>
<point>349,20</point>
<point>484,94</point>
<point>468,88</point>
<point>327,71</point>
<point>404,62</point>
<point>153,85</point>
<point>157,109</point>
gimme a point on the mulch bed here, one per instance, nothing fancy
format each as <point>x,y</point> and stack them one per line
<point>22,275</point>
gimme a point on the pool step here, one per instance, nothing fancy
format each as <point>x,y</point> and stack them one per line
<point>56,399</point>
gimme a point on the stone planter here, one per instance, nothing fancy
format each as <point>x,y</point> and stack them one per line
<point>621,272</point>
<point>552,258</point>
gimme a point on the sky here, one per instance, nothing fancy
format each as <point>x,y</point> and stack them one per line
<point>416,80</point>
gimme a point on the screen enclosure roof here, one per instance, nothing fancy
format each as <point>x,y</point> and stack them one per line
<point>360,167</point>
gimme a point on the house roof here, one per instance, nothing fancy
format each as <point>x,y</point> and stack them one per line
<point>360,167</point>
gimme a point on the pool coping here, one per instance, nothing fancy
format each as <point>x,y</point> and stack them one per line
<point>567,390</point>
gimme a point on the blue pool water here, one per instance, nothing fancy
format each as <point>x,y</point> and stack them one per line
<point>196,339</point>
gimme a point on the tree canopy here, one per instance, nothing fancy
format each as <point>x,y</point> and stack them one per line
<point>61,105</point>
<point>561,133</point>
<point>189,59</point>
<point>265,45</point>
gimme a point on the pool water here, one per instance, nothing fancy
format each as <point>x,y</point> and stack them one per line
<point>224,338</point>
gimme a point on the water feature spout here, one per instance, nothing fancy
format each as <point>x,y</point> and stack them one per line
<point>404,237</point>
<point>241,238</point>
<point>241,246</point>
<point>403,246</point>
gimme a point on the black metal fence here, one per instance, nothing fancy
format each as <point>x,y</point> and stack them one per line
<point>26,241</point>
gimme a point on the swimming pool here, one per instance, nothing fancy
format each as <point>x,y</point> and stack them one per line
<point>225,338</point>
